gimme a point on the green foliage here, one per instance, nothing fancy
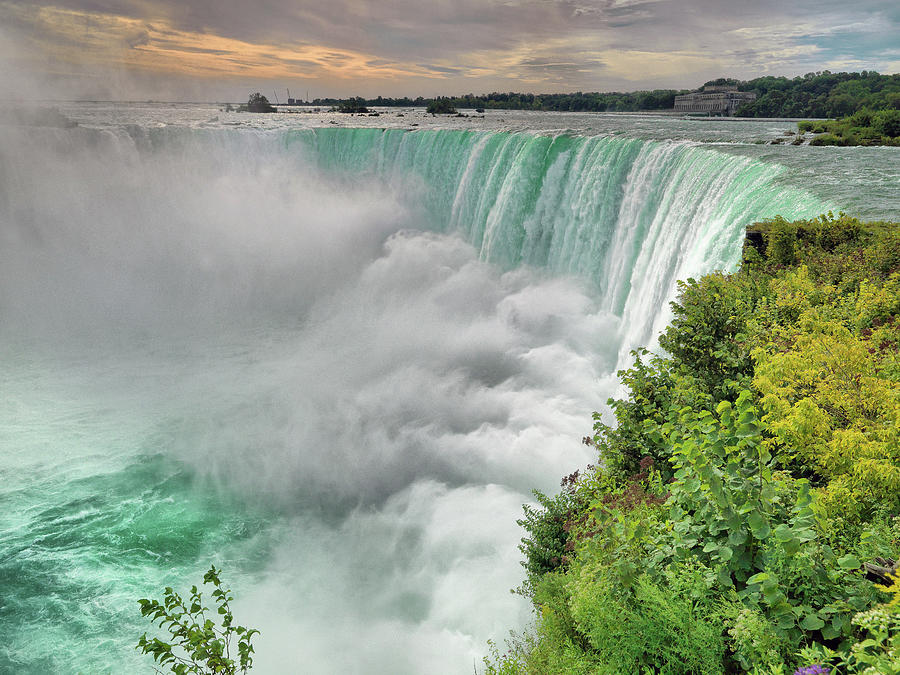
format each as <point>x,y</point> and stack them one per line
<point>546,547</point>
<point>658,99</point>
<point>878,650</point>
<point>754,641</point>
<point>823,94</point>
<point>750,471</point>
<point>886,123</point>
<point>724,506</point>
<point>781,243</point>
<point>624,445</point>
<point>352,105</point>
<point>864,127</point>
<point>258,103</point>
<point>510,662</point>
<point>706,339</point>
<point>195,642</point>
<point>441,106</point>
<point>670,627</point>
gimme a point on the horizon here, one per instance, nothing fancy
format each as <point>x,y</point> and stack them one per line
<point>311,101</point>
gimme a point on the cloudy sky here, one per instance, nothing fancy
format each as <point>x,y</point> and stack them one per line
<point>218,50</point>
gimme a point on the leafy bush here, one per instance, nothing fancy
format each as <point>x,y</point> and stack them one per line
<point>750,471</point>
<point>258,103</point>
<point>887,122</point>
<point>195,643</point>
<point>754,641</point>
<point>652,393</point>
<point>546,547</point>
<point>441,106</point>
<point>671,628</point>
<point>878,652</point>
<point>828,139</point>
<point>707,334</point>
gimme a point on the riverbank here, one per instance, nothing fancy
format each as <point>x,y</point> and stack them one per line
<point>862,128</point>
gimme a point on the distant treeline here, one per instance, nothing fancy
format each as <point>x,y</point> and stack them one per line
<point>822,94</point>
<point>658,99</point>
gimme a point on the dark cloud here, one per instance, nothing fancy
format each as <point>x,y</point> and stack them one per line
<point>138,39</point>
<point>441,69</point>
<point>302,63</point>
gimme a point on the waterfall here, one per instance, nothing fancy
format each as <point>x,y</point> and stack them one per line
<point>631,216</point>
<point>332,361</point>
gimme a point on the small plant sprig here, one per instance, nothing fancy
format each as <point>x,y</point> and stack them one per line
<point>196,644</point>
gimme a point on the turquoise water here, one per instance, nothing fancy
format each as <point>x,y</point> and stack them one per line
<point>332,361</point>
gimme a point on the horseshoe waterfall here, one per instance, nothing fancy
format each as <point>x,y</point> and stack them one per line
<point>332,361</point>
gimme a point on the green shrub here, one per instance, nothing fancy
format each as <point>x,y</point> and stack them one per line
<point>887,122</point>
<point>652,393</point>
<point>706,336</point>
<point>861,118</point>
<point>781,242</point>
<point>441,106</point>
<point>751,470</point>
<point>670,627</point>
<point>885,254</point>
<point>827,139</point>
<point>877,653</point>
<point>195,643</point>
<point>754,641</point>
<point>546,546</point>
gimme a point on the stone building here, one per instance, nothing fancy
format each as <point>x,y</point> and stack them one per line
<point>713,100</point>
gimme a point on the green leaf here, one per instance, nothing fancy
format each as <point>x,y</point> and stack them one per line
<point>791,547</point>
<point>811,622</point>
<point>759,525</point>
<point>737,537</point>
<point>783,533</point>
<point>849,562</point>
<point>786,621</point>
<point>758,578</point>
<point>829,632</point>
<point>724,577</point>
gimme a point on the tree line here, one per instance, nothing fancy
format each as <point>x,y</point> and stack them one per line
<point>658,99</point>
<point>819,94</point>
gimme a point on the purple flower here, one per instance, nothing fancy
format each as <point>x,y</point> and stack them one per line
<point>815,669</point>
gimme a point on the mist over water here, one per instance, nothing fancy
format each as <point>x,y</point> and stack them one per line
<point>334,362</point>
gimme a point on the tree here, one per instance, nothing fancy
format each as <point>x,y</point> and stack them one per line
<point>259,104</point>
<point>887,122</point>
<point>441,106</point>
<point>196,644</point>
<point>353,105</point>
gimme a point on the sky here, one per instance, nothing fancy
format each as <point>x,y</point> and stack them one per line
<point>219,50</point>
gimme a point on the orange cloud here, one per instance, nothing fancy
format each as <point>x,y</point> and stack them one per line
<point>67,36</point>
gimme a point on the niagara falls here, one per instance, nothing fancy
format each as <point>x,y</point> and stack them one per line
<point>470,337</point>
<point>335,361</point>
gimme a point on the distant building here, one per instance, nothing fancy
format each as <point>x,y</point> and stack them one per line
<point>713,100</point>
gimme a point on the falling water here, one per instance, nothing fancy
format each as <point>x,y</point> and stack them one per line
<point>332,361</point>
